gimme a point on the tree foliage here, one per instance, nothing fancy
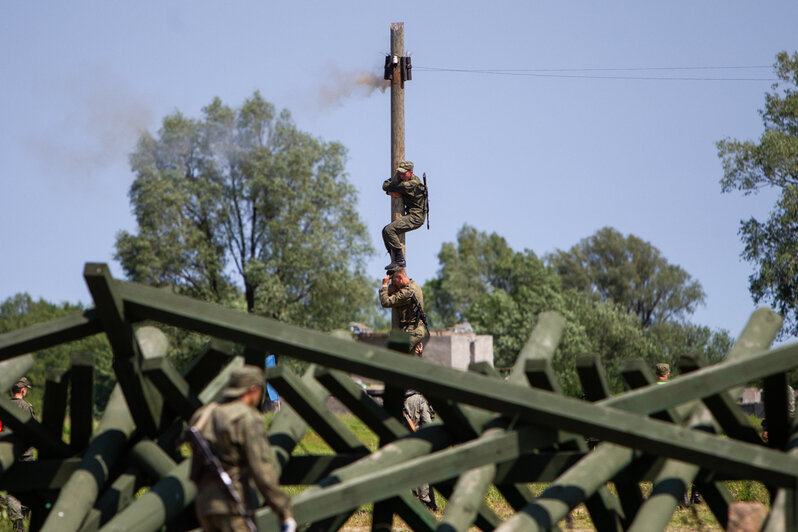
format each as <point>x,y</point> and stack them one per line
<point>501,292</point>
<point>772,162</point>
<point>629,272</point>
<point>241,201</point>
<point>21,311</point>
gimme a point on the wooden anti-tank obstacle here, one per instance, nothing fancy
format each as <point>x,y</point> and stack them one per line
<point>489,431</point>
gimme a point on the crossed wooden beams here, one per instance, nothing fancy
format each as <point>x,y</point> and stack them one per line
<point>489,432</point>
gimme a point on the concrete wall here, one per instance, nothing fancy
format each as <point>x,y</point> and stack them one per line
<point>452,350</point>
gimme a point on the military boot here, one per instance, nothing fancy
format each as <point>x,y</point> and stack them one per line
<point>397,260</point>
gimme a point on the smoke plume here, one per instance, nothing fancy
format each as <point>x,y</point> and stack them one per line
<point>350,85</point>
<point>104,120</point>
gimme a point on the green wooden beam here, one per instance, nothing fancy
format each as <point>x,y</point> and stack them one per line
<point>144,401</point>
<point>54,403</point>
<point>360,403</point>
<point>307,397</point>
<point>310,469</point>
<point>44,335</point>
<point>486,519</point>
<point>380,483</point>
<point>164,501</point>
<point>83,487</point>
<point>535,406</point>
<point>31,431</point>
<point>176,392</point>
<point>81,400</point>
<point>207,364</point>
<point>117,496</point>
<point>11,371</point>
<point>592,377</point>
<point>47,474</point>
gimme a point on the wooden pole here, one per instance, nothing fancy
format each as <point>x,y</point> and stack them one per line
<point>397,127</point>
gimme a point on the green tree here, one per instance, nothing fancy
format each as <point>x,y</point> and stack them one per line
<point>241,201</point>
<point>772,162</point>
<point>21,311</point>
<point>501,292</point>
<point>631,273</point>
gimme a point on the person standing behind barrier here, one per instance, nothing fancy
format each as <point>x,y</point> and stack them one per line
<point>16,511</point>
<point>663,372</point>
<point>414,195</point>
<point>234,430</point>
<point>417,414</point>
<point>406,297</point>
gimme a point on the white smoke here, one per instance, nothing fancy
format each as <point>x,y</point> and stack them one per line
<point>101,126</point>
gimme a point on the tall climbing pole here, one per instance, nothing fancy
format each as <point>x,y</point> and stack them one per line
<point>394,71</point>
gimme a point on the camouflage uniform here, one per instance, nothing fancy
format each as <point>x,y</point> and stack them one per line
<point>402,302</point>
<point>16,510</point>
<point>418,410</point>
<point>235,433</point>
<point>413,194</point>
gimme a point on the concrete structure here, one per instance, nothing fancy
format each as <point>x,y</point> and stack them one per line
<point>455,348</point>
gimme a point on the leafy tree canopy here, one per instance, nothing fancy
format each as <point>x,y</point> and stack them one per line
<point>629,272</point>
<point>242,199</point>
<point>501,292</point>
<point>772,162</point>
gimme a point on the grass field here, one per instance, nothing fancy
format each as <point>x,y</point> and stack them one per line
<point>695,518</point>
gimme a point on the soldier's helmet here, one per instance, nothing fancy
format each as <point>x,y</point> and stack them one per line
<point>405,166</point>
<point>241,379</point>
<point>662,369</point>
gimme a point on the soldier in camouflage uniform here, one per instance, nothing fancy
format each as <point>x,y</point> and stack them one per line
<point>407,186</point>
<point>401,295</point>
<point>234,429</point>
<point>418,412</point>
<point>16,511</point>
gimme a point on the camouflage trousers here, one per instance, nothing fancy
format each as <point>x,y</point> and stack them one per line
<point>403,224</point>
<point>417,335</point>
<point>223,523</point>
<point>16,512</point>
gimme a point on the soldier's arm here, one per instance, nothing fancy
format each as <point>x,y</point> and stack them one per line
<point>257,449</point>
<point>400,297</point>
<point>391,185</point>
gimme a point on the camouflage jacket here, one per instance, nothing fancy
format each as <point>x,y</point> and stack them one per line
<point>418,410</point>
<point>413,193</point>
<point>401,300</point>
<point>27,456</point>
<point>236,434</point>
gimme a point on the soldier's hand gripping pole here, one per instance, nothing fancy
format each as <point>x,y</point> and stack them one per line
<point>211,461</point>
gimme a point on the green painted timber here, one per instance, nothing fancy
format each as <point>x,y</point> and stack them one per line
<point>11,370</point>
<point>47,474</point>
<point>381,483</point>
<point>149,456</point>
<point>535,406</point>
<point>177,393</point>
<point>31,431</point>
<point>56,391</point>
<point>81,400</point>
<point>118,495</point>
<point>163,502</point>
<point>213,390</point>
<point>144,401</point>
<point>486,519</point>
<point>11,448</point>
<point>592,377</point>
<point>667,492</point>
<point>307,398</point>
<point>43,335</point>
<point>464,504</point>
<point>82,489</point>
<point>209,362</point>
<point>355,398</point>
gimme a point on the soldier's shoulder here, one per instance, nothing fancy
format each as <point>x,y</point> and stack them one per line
<point>414,286</point>
<point>233,410</point>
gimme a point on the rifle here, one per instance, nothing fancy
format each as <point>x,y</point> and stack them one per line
<point>426,199</point>
<point>200,444</point>
<point>418,310</point>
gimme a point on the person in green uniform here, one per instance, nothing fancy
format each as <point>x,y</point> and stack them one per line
<point>663,372</point>
<point>419,413</point>
<point>234,430</point>
<point>16,511</point>
<point>407,186</point>
<point>405,295</point>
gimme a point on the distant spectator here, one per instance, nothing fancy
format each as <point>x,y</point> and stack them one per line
<point>663,371</point>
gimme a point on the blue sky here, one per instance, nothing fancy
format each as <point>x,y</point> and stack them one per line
<point>542,161</point>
